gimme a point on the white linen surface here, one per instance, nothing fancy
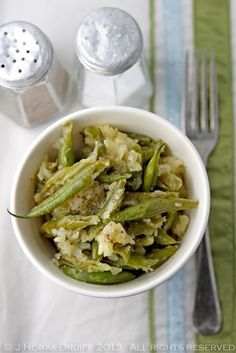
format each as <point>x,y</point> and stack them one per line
<point>35,310</point>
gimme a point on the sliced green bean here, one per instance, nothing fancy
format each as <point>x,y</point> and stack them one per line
<point>79,182</point>
<point>171,216</point>
<point>141,228</point>
<point>65,151</point>
<point>124,251</point>
<point>162,255</point>
<point>149,150</point>
<point>110,178</point>
<point>139,262</point>
<point>170,182</point>
<point>132,198</point>
<point>88,264</point>
<point>147,153</point>
<point>71,222</point>
<point>153,207</point>
<point>163,238</point>
<point>135,182</point>
<point>180,225</point>
<point>151,171</point>
<point>142,139</point>
<point>98,277</point>
<point>144,241</point>
<point>113,200</point>
<point>61,177</point>
<point>92,134</point>
<point>183,192</point>
<point>94,252</point>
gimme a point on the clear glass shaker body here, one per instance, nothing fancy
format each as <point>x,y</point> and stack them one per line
<point>111,70</point>
<point>34,86</point>
<point>131,88</point>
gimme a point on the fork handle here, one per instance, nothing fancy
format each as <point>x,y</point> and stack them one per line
<point>206,313</point>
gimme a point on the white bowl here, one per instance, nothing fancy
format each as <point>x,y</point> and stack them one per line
<point>38,249</point>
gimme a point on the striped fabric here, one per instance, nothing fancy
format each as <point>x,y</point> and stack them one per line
<point>185,25</point>
<point>39,316</point>
<point>173,45</point>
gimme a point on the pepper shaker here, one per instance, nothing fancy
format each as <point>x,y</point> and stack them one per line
<point>111,70</point>
<point>33,84</point>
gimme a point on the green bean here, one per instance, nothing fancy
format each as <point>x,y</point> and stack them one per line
<point>183,192</point>
<point>164,239</point>
<point>144,241</point>
<point>170,182</point>
<point>94,230</point>
<point>92,134</point>
<point>94,252</point>
<point>79,182</point>
<point>135,181</point>
<point>142,139</point>
<point>110,178</point>
<point>149,150</point>
<point>171,216</point>
<point>93,138</point>
<point>136,229</point>
<point>132,198</point>
<point>61,177</point>
<point>124,251</point>
<point>88,265</point>
<point>139,262</point>
<point>180,225</point>
<point>147,153</point>
<point>161,255</point>
<point>151,171</point>
<point>68,222</point>
<point>113,200</point>
<point>151,208</point>
<point>65,151</point>
<point>98,277</point>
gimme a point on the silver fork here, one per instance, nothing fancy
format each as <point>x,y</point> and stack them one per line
<point>202,127</point>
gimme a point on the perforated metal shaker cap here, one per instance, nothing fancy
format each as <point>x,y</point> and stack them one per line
<point>109,41</point>
<point>25,54</point>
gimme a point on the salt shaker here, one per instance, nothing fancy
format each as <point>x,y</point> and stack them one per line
<point>111,69</point>
<point>33,84</point>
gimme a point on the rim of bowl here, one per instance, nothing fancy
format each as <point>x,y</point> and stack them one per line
<point>111,291</point>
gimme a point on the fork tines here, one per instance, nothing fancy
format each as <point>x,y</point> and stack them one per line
<point>199,106</point>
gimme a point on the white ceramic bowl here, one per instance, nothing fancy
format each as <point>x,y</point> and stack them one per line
<point>38,249</point>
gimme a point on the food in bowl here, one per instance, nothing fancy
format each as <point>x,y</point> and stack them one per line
<point>116,210</point>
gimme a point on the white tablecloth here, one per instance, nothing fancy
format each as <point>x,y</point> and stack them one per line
<point>36,314</point>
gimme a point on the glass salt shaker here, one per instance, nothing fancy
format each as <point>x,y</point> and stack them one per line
<point>111,69</point>
<point>33,84</point>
